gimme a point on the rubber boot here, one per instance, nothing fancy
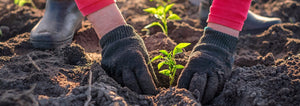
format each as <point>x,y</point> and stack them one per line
<point>253,24</point>
<point>58,25</point>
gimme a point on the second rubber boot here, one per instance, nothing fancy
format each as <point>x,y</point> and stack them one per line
<point>58,25</point>
<point>253,24</point>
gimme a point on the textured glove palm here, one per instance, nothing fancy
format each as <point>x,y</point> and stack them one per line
<point>125,58</point>
<point>209,65</point>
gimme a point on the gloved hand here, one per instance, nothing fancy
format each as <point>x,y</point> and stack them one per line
<point>209,65</point>
<point>125,58</point>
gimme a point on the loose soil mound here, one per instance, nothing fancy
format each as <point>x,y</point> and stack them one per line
<point>266,67</point>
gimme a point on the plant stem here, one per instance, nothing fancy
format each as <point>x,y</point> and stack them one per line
<point>164,21</point>
<point>166,28</point>
<point>173,75</point>
<point>162,27</point>
<point>32,4</point>
<point>170,77</point>
<point>0,33</point>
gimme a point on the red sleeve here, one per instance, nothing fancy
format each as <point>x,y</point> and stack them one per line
<point>89,6</point>
<point>230,13</point>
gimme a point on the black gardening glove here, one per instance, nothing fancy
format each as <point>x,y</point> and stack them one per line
<point>209,65</point>
<point>125,58</point>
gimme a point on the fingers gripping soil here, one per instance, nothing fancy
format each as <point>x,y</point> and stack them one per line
<point>211,87</point>
<point>145,80</point>
<point>130,80</point>
<point>197,85</point>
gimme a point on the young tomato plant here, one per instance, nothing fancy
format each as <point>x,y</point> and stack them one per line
<point>22,2</point>
<point>168,58</point>
<point>164,13</point>
<point>0,33</point>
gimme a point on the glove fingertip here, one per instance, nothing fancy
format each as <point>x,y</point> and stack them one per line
<point>145,80</point>
<point>129,80</point>
<point>198,83</point>
<point>184,80</point>
<point>211,88</point>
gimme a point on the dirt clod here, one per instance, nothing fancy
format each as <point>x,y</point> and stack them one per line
<point>74,55</point>
<point>174,96</point>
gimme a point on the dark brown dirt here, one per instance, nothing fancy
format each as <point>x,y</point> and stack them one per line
<point>87,38</point>
<point>266,67</point>
<point>17,20</point>
<point>273,44</point>
<point>263,86</point>
<point>175,96</point>
<point>158,41</point>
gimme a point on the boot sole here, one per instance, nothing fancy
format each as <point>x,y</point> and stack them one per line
<point>254,31</point>
<point>51,45</point>
<point>56,44</point>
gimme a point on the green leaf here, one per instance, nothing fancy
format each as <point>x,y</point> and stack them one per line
<point>160,64</point>
<point>164,52</point>
<point>170,12</point>
<point>160,10</point>
<point>150,10</point>
<point>16,1</point>
<point>168,7</point>
<point>179,47</point>
<point>177,51</point>
<point>155,58</point>
<point>174,17</point>
<point>182,45</point>
<point>179,66</point>
<point>167,58</point>
<point>165,72</point>
<point>146,30</point>
<point>152,24</point>
<point>22,2</point>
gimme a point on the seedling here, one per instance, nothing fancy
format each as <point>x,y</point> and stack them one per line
<point>23,2</point>
<point>168,58</point>
<point>1,33</point>
<point>164,13</point>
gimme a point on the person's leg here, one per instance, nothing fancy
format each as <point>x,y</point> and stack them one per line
<point>211,60</point>
<point>124,55</point>
<point>103,14</point>
<point>253,24</point>
<point>228,17</point>
<point>106,19</point>
<point>224,29</point>
<point>57,27</point>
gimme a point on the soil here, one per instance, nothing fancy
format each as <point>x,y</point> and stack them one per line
<point>266,68</point>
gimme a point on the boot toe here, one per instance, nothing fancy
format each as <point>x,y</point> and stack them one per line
<point>273,21</point>
<point>256,23</point>
<point>257,26</point>
<point>195,2</point>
